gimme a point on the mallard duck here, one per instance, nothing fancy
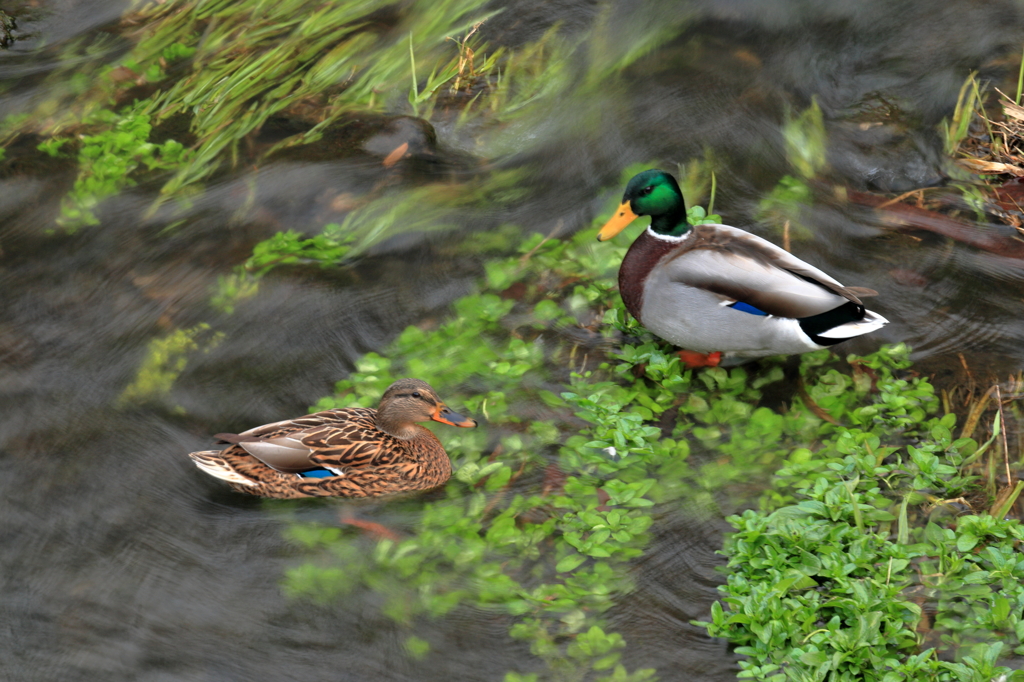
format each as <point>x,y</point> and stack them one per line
<point>350,452</point>
<point>724,294</point>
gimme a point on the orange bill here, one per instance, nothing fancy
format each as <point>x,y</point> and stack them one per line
<point>396,155</point>
<point>446,416</point>
<point>622,217</point>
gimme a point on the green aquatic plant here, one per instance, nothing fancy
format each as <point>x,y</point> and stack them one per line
<point>232,289</point>
<point>806,141</point>
<point>547,511</point>
<point>524,82</point>
<point>830,577</point>
<point>430,208</point>
<point>622,38</point>
<point>108,159</point>
<point>1020,80</point>
<point>969,104</point>
<point>166,358</point>
<point>287,248</point>
<point>462,71</point>
<point>806,144</point>
<point>697,180</point>
<point>326,249</point>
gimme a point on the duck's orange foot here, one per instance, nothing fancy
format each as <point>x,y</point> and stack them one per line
<point>693,359</point>
<point>375,529</point>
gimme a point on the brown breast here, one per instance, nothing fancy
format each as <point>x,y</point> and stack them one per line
<point>642,256</point>
<point>436,466</point>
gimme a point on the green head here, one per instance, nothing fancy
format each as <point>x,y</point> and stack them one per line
<point>654,193</point>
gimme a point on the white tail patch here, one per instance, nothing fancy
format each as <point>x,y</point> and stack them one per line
<point>872,322</point>
<point>217,467</point>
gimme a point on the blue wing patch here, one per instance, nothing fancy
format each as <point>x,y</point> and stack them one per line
<point>317,473</point>
<point>747,308</point>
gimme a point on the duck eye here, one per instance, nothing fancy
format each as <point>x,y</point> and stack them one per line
<point>646,190</point>
<point>416,394</point>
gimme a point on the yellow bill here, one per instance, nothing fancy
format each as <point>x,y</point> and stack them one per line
<point>622,217</point>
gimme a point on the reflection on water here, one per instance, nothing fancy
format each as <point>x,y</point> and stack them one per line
<point>122,562</point>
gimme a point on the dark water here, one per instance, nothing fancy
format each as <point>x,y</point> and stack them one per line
<point>121,562</point>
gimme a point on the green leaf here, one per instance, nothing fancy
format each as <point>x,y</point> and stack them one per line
<point>966,541</point>
<point>570,563</point>
<point>417,648</point>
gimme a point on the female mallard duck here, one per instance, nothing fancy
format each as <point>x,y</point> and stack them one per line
<point>351,452</point>
<point>723,292</point>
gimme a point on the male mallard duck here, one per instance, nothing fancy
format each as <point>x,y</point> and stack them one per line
<point>351,452</point>
<point>723,292</point>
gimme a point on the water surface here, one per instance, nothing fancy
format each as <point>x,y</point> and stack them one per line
<point>122,562</point>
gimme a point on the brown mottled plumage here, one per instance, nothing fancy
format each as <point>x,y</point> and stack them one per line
<point>369,452</point>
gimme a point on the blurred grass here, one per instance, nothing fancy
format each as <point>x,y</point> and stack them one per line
<point>255,59</point>
<point>209,74</point>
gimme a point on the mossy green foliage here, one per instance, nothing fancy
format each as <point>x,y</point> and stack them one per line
<point>431,208</point>
<point>806,144</point>
<point>326,249</point>
<point>857,568</point>
<point>554,494</point>
<point>107,160</point>
<point>165,359</point>
<point>806,141</point>
<point>285,248</point>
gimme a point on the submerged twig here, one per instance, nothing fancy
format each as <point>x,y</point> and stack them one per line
<point>1002,419</point>
<point>975,415</point>
<point>466,55</point>
<point>895,200</point>
<point>963,361</point>
<point>903,216</point>
<point>814,407</point>
<point>529,254</point>
<point>1006,499</point>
